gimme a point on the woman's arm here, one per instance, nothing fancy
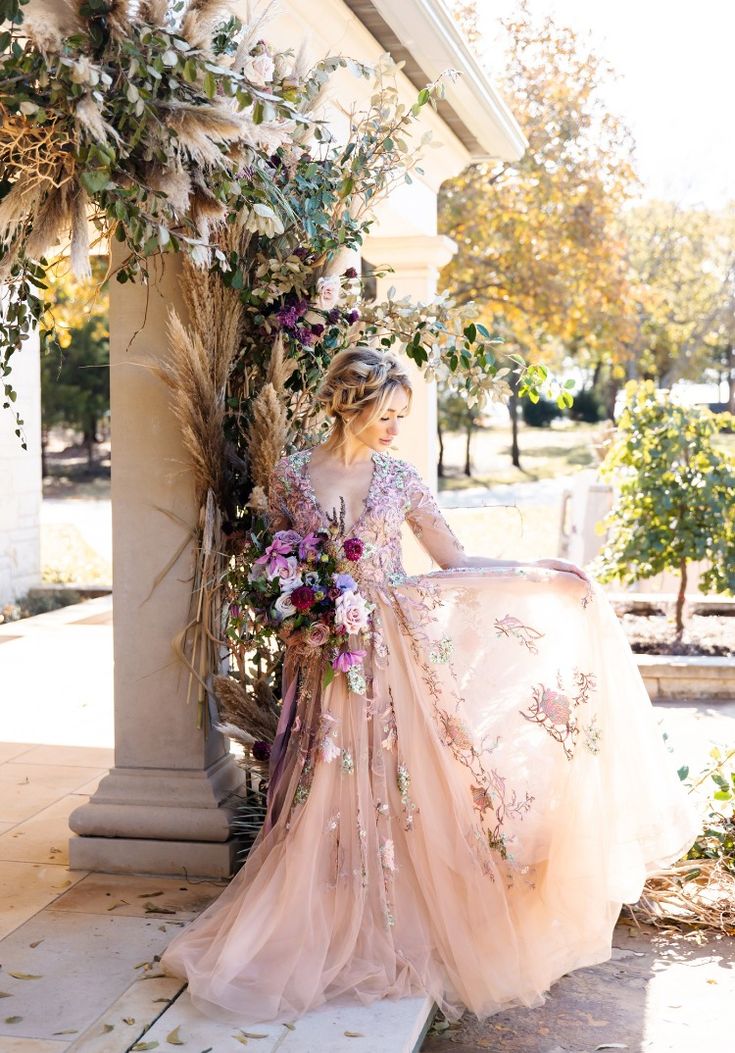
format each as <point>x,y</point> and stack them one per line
<point>426,520</point>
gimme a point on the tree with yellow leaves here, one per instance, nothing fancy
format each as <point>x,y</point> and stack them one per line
<point>541,249</point>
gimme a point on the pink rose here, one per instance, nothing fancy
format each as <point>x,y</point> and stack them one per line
<point>317,635</point>
<point>350,612</point>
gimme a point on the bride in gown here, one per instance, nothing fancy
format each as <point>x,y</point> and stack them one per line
<point>468,826</point>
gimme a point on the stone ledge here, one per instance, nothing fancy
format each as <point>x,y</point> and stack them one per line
<point>670,676</point>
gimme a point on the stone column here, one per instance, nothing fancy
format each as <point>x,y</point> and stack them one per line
<point>162,808</point>
<point>416,261</point>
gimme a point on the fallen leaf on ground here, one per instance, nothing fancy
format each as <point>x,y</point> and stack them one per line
<point>36,942</point>
<point>144,1045</point>
<point>27,976</point>
<point>149,895</point>
<point>253,1034</point>
<point>5,994</point>
<point>173,1037</point>
<point>159,910</point>
<point>120,903</point>
<point>611,1045</point>
<point>128,1020</point>
<point>69,1031</point>
<point>12,1019</point>
<point>107,1028</point>
<point>354,1034</point>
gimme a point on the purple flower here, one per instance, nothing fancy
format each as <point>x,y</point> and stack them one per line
<point>333,316</point>
<point>304,336</point>
<point>234,610</point>
<point>353,316</point>
<point>346,659</point>
<point>288,317</point>
<point>350,273</point>
<point>301,252</point>
<point>344,581</point>
<point>288,537</point>
<point>317,329</point>
<point>302,597</point>
<point>308,544</point>
<point>353,548</point>
<point>276,550</point>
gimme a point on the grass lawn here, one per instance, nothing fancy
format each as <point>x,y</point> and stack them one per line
<point>562,448</point>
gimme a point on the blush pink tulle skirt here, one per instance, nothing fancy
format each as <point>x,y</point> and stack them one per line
<point>465,825</point>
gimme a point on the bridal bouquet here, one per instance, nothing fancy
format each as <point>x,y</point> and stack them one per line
<point>302,583</point>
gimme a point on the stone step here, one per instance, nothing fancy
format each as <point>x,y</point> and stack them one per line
<point>387,1026</point>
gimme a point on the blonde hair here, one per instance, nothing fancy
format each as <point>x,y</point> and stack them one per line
<point>358,381</point>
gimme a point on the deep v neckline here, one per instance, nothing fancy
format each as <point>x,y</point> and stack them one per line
<point>315,500</point>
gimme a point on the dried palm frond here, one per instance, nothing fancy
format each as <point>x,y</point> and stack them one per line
<point>696,893</point>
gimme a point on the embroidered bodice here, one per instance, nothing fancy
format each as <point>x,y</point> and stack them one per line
<point>397,493</point>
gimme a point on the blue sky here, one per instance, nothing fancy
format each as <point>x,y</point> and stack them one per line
<point>676,88</point>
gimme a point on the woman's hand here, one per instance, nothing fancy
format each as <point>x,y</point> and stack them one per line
<point>562,564</point>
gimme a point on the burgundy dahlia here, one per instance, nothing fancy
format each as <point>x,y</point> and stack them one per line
<point>350,273</point>
<point>302,597</point>
<point>261,750</point>
<point>353,547</point>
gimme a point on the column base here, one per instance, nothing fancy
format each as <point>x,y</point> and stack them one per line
<point>159,820</point>
<point>127,855</point>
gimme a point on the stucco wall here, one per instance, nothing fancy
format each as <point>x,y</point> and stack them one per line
<point>20,480</point>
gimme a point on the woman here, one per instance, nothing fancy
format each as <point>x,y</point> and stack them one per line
<point>468,820</point>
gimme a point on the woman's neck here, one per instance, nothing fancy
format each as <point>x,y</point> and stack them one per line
<point>350,452</point>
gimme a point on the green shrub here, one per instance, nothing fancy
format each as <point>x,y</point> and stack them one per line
<point>540,414</point>
<point>587,407</point>
<point>674,501</point>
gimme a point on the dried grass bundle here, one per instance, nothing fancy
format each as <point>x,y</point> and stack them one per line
<point>53,219</point>
<point>253,712</point>
<point>266,434</point>
<point>200,16</point>
<point>197,404</point>
<point>151,12</point>
<point>202,129</point>
<point>80,264</point>
<point>90,120</point>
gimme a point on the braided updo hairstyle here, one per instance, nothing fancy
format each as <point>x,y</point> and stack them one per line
<point>356,386</point>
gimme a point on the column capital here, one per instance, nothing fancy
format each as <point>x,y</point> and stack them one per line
<point>416,253</point>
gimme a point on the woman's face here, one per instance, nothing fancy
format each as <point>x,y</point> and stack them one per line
<point>384,430</point>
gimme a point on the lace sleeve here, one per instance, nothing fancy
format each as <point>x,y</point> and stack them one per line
<point>278,514</point>
<point>429,525</point>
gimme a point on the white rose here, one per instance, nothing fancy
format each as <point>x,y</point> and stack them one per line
<point>283,605</point>
<point>258,69</point>
<point>327,293</point>
<point>351,611</point>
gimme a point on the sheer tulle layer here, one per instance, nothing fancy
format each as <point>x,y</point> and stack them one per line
<point>470,830</point>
